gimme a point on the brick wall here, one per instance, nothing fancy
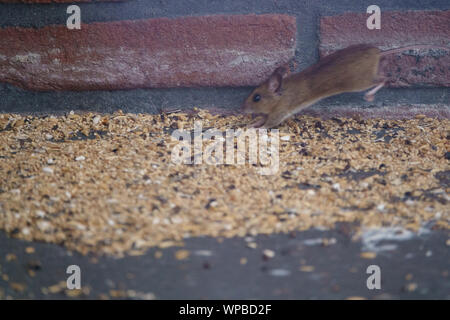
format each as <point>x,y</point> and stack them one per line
<point>234,44</point>
<point>232,50</point>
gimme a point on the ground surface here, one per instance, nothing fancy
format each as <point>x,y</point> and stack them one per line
<point>302,268</point>
<point>107,185</point>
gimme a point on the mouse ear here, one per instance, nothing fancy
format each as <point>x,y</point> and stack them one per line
<point>276,79</point>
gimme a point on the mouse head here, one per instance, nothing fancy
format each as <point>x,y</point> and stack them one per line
<point>266,97</point>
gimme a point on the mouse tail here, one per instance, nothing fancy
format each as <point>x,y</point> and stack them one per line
<point>420,46</point>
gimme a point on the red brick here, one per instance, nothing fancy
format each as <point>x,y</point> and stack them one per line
<point>398,29</point>
<point>236,50</point>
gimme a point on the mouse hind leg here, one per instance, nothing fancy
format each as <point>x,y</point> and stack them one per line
<point>370,95</point>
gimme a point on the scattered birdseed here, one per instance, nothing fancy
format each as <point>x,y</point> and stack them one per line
<point>128,195</point>
<point>411,287</point>
<point>140,295</point>
<point>56,288</point>
<point>313,242</point>
<point>329,242</point>
<point>307,268</point>
<point>47,170</point>
<point>182,254</point>
<point>268,253</point>
<point>279,272</point>
<point>368,255</point>
<point>252,245</point>
<point>10,257</point>
<point>203,253</point>
<point>19,287</point>
<point>74,293</point>
<point>118,293</point>
<point>30,250</point>
<point>96,120</point>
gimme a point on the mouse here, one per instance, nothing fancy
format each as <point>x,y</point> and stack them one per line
<point>353,69</point>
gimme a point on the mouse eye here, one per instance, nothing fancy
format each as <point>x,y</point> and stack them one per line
<point>256,97</point>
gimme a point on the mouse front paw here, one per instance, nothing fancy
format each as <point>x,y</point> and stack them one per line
<point>258,123</point>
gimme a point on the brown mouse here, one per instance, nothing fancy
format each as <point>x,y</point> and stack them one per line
<point>352,69</point>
